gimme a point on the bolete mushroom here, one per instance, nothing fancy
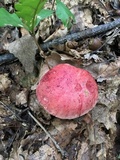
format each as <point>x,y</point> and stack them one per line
<point>67,92</point>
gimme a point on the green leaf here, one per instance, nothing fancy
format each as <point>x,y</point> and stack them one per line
<point>7,19</point>
<point>64,13</point>
<point>28,11</point>
<point>44,13</point>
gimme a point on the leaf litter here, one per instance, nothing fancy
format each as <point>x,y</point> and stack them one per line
<point>83,139</point>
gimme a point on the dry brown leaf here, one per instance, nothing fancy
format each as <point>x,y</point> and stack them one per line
<point>45,152</point>
<point>63,131</point>
<point>70,3</point>
<point>21,98</point>
<point>108,96</point>
<point>96,135</point>
<point>4,82</point>
<point>24,49</point>
<point>58,33</point>
<point>52,60</point>
<point>79,22</point>
<point>101,154</point>
<point>88,21</point>
<point>97,5</point>
<point>24,32</point>
<point>74,53</point>
<point>111,35</point>
<point>83,153</point>
<point>103,71</point>
<point>104,116</point>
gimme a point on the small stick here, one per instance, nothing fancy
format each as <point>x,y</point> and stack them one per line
<point>63,153</point>
<point>7,58</point>
<point>90,32</point>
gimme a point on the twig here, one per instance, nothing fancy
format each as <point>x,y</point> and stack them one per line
<point>114,33</point>
<point>7,58</point>
<point>13,111</point>
<point>63,153</point>
<point>91,32</point>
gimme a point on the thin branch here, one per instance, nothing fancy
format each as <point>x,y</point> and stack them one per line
<point>63,153</point>
<point>91,32</point>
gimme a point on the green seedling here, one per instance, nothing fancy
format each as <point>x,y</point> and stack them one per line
<point>29,13</point>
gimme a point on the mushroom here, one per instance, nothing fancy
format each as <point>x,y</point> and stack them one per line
<point>67,92</point>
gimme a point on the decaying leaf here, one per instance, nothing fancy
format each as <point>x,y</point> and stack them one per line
<point>111,35</point>
<point>103,71</point>
<point>4,82</point>
<point>45,153</point>
<point>21,98</point>
<point>24,49</point>
<point>83,152</point>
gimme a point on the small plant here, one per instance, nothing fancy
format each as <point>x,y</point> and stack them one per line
<point>29,13</point>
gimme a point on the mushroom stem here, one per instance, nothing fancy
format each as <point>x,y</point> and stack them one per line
<point>63,153</point>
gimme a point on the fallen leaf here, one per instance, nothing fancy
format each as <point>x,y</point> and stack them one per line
<point>4,82</point>
<point>24,49</point>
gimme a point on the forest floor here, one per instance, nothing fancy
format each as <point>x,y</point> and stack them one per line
<point>95,136</point>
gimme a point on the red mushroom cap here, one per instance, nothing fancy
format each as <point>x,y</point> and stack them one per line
<point>67,92</point>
